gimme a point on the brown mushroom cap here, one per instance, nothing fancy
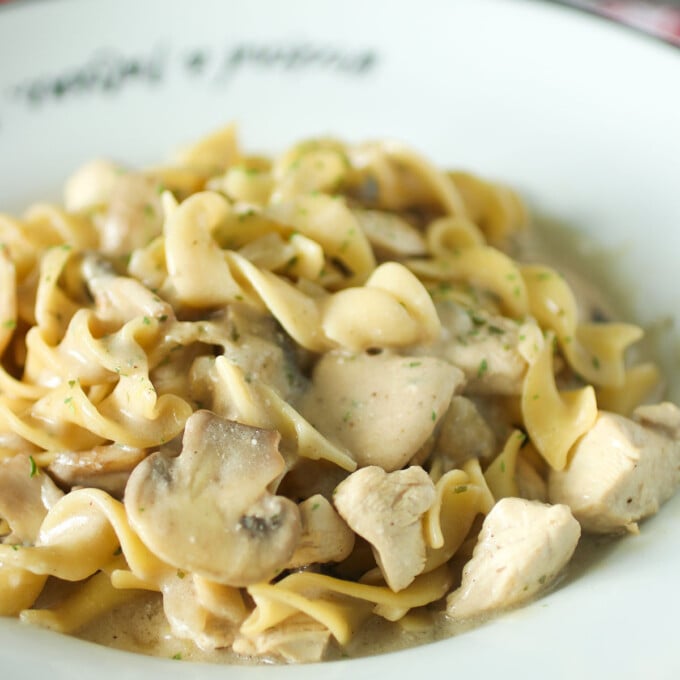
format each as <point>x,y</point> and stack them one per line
<point>208,510</point>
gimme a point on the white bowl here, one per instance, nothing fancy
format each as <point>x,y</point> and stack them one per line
<point>578,114</point>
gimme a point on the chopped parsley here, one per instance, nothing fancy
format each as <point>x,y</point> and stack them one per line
<point>34,468</point>
<point>483,368</point>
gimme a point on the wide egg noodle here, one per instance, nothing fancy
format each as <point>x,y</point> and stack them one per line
<point>554,419</point>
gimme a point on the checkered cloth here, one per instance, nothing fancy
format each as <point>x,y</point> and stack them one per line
<point>661,19</point>
<point>656,17</point>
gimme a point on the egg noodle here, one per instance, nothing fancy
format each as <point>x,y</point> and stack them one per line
<point>287,394</point>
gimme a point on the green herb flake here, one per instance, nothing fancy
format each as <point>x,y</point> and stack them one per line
<point>15,547</point>
<point>34,468</point>
<point>68,400</point>
<point>10,323</point>
<point>176,657</point>
<point>316,506</point>
<point>542,579</point>
<point>414,364</point>
<point>163,318</point>
<point>149,211</point>
<point>118,551</point>
<point>433,415</point>
<point>502,466</point>
<point>543,276</point>
<point>496,330</point>
<point>147,321</point>
<point>596,363</point>
<point>475,318</point>
<point>181,574</point>
<point>461,488</point>
<point>71,383</point>
<point>483,368</point>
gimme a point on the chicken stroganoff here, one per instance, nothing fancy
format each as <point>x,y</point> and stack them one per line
<point>285,398</point>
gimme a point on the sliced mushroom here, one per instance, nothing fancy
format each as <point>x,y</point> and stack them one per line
<point>382,407</point>
<point>26,495</point>
<point>103,467</point>
<point>325,537</point>
<point>464,434</point>
<point>209,509</point>
<point>386,508</point>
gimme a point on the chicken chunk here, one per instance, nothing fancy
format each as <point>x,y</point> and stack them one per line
<point>492,351</point>
<point>325,537</point>
<point>619,472</point>
<point>386,508</point>
<point>522,546</point>
<point>382,408</point>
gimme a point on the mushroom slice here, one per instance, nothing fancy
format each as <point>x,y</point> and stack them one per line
<point>386,508</point>
<point>26,495</point>
<point>325,537</point>
<point>208,510</point>
<point>103,467</point>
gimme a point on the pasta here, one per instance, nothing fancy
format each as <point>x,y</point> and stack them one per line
<point>286,398</point>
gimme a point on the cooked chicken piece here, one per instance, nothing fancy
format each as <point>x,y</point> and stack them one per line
<point>325,537</point>
<point>664,417</point>
<point>209,510</point>
<point>464,434</point>
<point>491,350</point>
<point>618,473</point>
<point>297,639</point>
<point>382,408</point>
<point>134,216</point>
<point>91,185</point>
<point>190,619</point>
<point>26,496</point>
<point>387,509</point>
<point>522,546</point>
<point>103,467</point>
